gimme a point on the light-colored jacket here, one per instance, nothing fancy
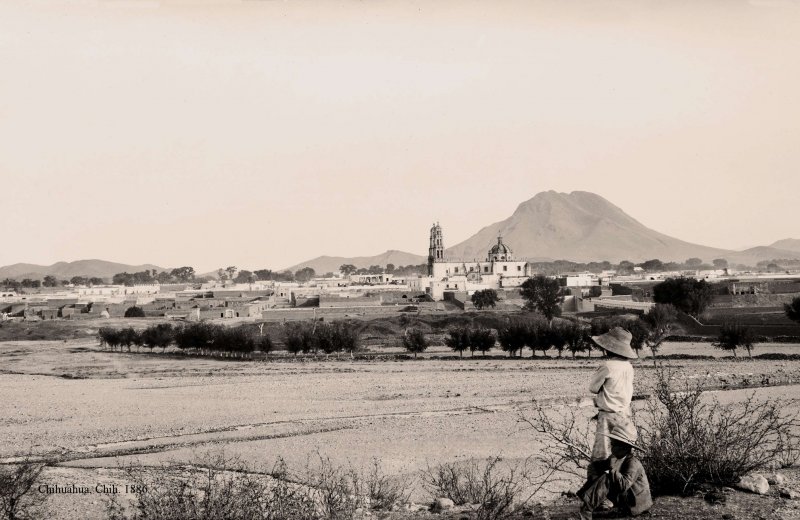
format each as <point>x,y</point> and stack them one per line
<point>613,384</point>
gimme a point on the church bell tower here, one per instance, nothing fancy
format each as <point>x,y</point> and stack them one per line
<point>436,247</point>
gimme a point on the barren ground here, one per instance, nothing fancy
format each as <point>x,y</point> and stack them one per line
<point>89,410</point>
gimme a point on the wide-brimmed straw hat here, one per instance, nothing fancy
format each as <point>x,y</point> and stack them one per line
<point>624,433</point>
<point>618,341</point>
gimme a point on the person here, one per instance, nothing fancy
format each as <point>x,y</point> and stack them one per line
<point>612,384</point>
<point>624,482</point>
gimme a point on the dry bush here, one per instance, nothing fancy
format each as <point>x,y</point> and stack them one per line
<point>567,439</point>
<point>222,488</point>
<point>384,491</point>
<point>225,488</point>
<point>18,496</point>
<point>686,438</point>
<point>498,489</point>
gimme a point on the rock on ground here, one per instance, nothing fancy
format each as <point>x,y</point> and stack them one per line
<point>754,483</point>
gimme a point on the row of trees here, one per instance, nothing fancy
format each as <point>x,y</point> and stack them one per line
<point>204,338</point>
<point>407,270</point>
<point>49,281</point>
<point>319,336</point>
<point>212,339</point>
<point>178,275</point>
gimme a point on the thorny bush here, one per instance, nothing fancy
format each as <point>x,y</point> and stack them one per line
<point>686,437</point>
<point>497,488</point>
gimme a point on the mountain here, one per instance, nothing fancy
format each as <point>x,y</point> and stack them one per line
<point>787,244</point>
<point>326,264</point>
<point>66,270</point>
<point>754,255</point>
<point>578,226</point>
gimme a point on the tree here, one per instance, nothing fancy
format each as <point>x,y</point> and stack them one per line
<point>557,336</point>
<point>347,269</point>
<point>720,263</point>
<point>542,294</point>
<point>512,337</point>
<point>414,340</point>
<point>458,339</point>
<point>134,312</point>
<point>183,274</point>
<point>733,335</point>
<point>686,294</point>
<point>231,271</point>
<point>50,281</point>
<point>96,281</point>
<point>576,337</point>
<point>653,265</point>
<point>793,309</point>
<point>160,336</point>
<point>625,267</point>
<point>245,276</point>
<point>481,339</point>
<point>661,320</point>
<point>389,268</point>
<point>694,262</point>
<point>484,298</point>
<point>304,275</point>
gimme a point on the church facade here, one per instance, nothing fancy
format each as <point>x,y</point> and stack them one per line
<point>499,270</point>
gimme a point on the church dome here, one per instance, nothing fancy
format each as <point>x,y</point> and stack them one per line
<point>500,251</point>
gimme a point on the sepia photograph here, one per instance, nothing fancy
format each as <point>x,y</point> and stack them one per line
<point>399,259</point>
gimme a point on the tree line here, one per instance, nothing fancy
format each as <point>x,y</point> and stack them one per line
<point>211,339</point>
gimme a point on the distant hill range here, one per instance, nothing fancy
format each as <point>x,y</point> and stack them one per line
<point>66,270</point>
<point>787,244</point>
<point>578,226</point>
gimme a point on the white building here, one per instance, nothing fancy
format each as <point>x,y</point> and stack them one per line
<point>499,270</point>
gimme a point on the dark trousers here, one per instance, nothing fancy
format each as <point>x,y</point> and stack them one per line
<point>597,490</point>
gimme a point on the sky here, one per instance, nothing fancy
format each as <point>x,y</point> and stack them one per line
<point>263,133</point>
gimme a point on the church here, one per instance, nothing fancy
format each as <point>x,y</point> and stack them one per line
<point>500,270</point>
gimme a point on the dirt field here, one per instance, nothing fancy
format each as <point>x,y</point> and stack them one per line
<point>90,410</point>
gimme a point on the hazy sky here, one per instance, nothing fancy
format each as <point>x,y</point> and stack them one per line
<point>261,134</point>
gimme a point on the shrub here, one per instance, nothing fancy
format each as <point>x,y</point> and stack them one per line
<point>384,491</point>
<point>222,488</point>
<point>18,496</point>
<point>498,488</point>
<point>134,312</point>
<point>414,340</point>
<point>688,439</point>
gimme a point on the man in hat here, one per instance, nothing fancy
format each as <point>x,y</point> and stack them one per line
<point>624,483</point>
<point>612,383</point>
